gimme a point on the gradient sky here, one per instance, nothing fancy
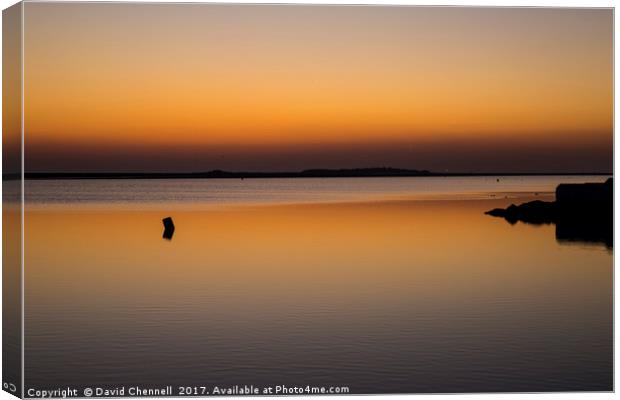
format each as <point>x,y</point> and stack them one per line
<point>156,87</point>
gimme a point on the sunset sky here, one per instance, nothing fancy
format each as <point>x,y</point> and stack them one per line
<point>162,87</point>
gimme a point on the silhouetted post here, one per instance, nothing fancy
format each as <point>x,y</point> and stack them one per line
<point>168,228</point>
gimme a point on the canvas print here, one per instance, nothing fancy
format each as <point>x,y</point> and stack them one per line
<point>226,199</point>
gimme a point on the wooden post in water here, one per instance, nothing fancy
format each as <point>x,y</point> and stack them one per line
<point>168,228</point>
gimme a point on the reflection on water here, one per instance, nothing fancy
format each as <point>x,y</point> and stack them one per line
<point>380,296</point>
<point>585,229</point>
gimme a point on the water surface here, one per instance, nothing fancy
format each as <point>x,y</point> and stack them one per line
<point>384,285</point>
<point>201,193</point>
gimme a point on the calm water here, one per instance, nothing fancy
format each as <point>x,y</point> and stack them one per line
<point>166,193</point>
<point>381,284</point>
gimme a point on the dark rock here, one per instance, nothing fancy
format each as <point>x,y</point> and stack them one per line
<point>584,194</point>
<point>537,211</point>
<point>581,212</point>
<point>497,212</point>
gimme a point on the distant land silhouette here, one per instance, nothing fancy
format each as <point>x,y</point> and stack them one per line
<point>308,173</point>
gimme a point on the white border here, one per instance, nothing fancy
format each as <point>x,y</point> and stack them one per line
<point>480,3</point>
<point>23,205</point>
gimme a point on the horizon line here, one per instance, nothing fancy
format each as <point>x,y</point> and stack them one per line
<point>306,173</point>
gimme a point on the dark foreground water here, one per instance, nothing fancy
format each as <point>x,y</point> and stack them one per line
<point>381,285</point>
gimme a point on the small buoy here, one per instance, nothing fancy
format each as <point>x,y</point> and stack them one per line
<point>168,228</point>
<point>498,179</point>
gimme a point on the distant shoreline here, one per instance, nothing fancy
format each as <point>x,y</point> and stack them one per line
<point>310,173</point>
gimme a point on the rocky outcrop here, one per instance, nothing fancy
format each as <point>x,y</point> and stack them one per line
<point>586,197</point>
<point>581,212</point>
<point>538,212</point>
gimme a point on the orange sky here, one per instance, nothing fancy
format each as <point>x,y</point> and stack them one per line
<point>112,86</point>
